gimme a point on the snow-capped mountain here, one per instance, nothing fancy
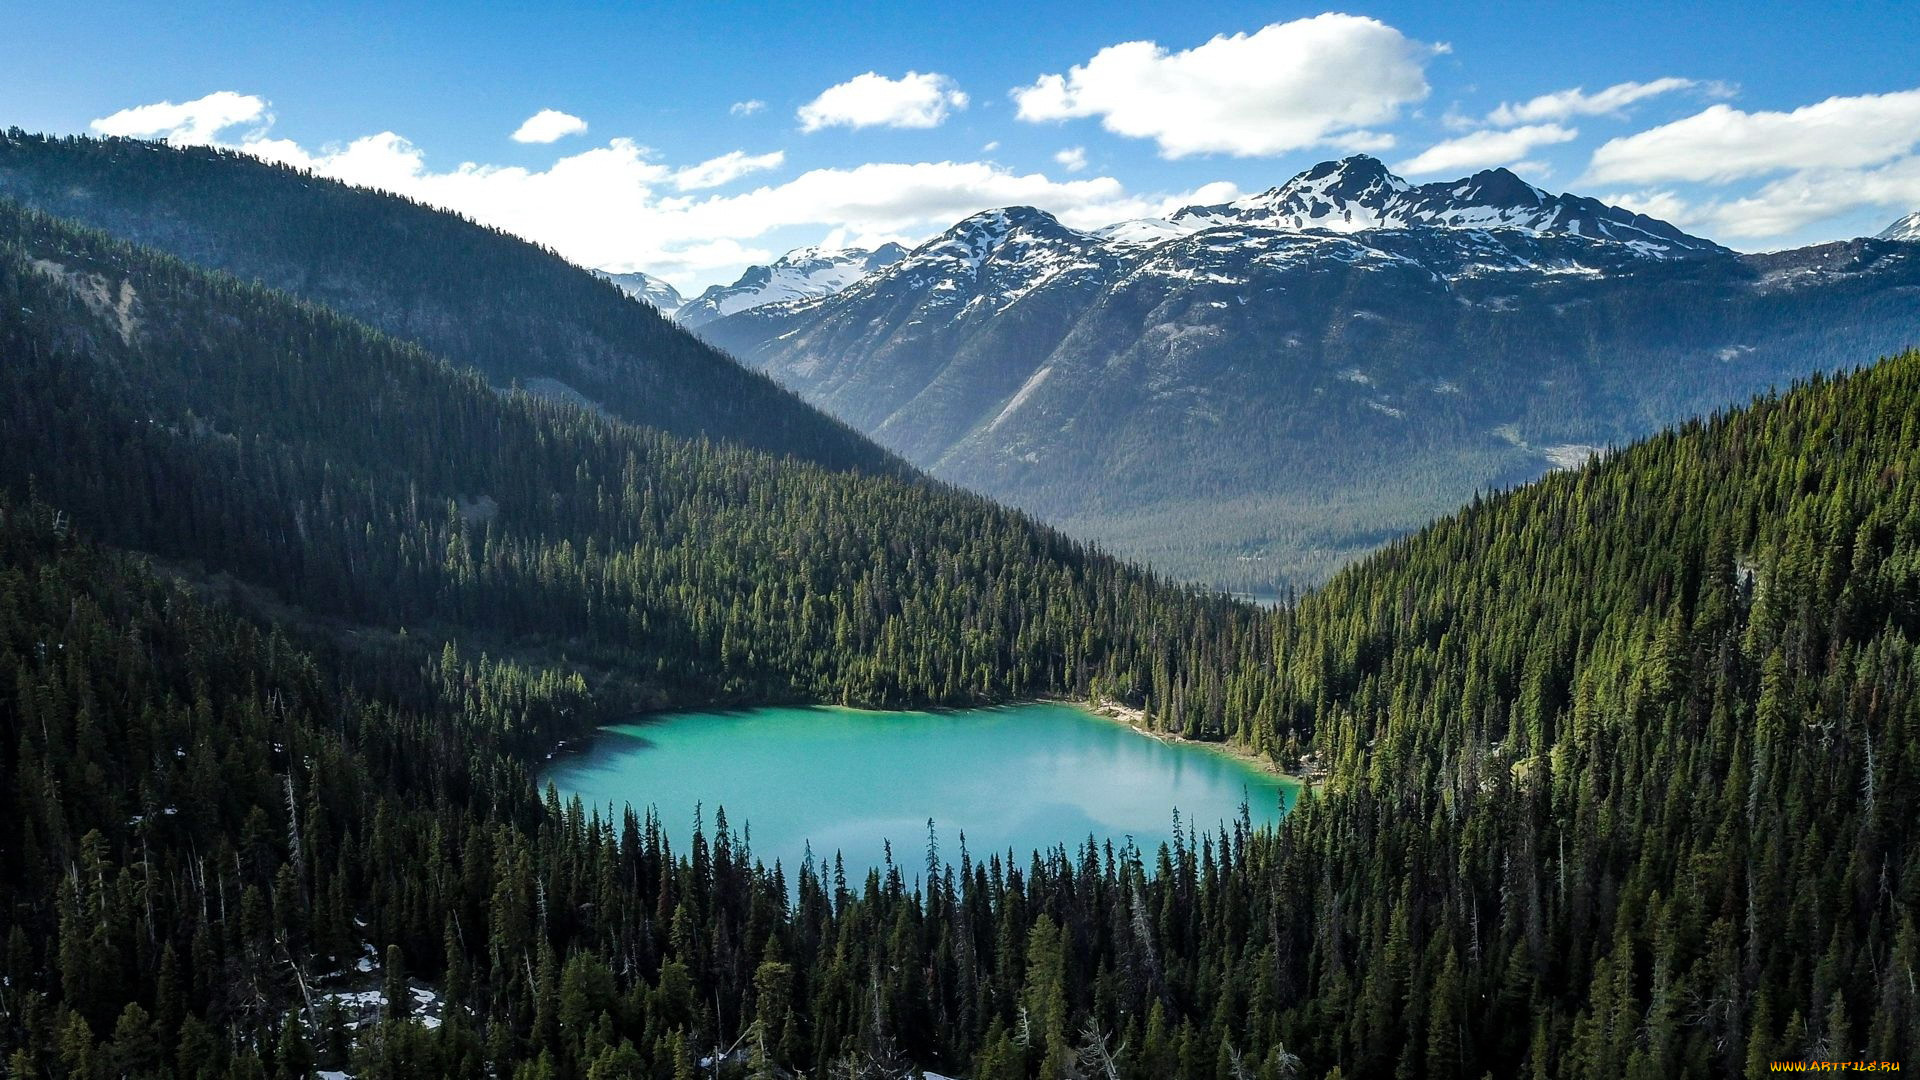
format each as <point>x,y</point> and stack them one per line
<point>1907,228</point>
<point>661,295</point>
<point>1249,392</point>
<point>1358,194</point>
<point>799,274</point>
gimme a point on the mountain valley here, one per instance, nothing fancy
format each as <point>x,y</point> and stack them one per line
<point>1308,372</point>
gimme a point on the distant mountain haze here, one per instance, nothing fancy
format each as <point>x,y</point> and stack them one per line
<point>1249,393</point>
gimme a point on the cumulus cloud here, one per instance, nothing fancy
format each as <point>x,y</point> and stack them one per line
<point>1611,101</point>
<point>1792,202</point>
<point>549,125</point>
<point>725,169</point>
<point>898,197</point>
<point>1722,143</point>
<point>1072,159</point>
<point>1219,191</point>
<point>1783,207</point>
<point>1284,87</point>
<point>618,207</point>
<point>198,121</point>
<point>1485,149</point>
<point>746,108</point>
<point>1664,204</point>
<point>914,100</point>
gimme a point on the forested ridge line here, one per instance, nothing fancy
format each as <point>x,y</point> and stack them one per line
<point>1621,765</point>
<point>481,297</point>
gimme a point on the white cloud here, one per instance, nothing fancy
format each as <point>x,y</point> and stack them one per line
<point>1484,149</point>
<point>872,100</point>
<point>618,207</point>
<point>891,197</point>
<point>1072,159</point>
<point>1793,202</point>
<point>1722,143</point>
<point>725,169</point>
<point>1364,142</point>
<point>549,125</point>
<point>990,147</point>
<point>1781,209</point>
<point>1286,86</point>
<point>196,121</point>
<point>746,108</point>
<point>1566,104</point>
<point>1213,194</point>
<point>1664,204</point>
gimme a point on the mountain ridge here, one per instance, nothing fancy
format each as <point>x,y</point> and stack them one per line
<point>803,273</point>
<point>1358,193</point>
<point>1308,391</point>
<point>480,297</point>
<point>1907,228</point>
<point>643,286</point>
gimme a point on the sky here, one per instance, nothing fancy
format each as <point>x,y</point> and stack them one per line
<point>691,140</point>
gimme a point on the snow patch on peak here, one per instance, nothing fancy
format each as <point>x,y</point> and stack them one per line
<point>1358,194</point>
<point>1907,228</point>
<point>661,295</point>
<point>801,274</point>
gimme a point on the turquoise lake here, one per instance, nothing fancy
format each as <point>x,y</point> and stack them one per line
<point>1019,778</point>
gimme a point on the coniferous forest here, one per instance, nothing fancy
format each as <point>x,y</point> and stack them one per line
<point>1619,772</point>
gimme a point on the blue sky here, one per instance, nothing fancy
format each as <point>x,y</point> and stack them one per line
<point>1760,125</point>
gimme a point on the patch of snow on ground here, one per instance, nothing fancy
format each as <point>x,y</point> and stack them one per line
<point>1571,455</point>
<point>1020,396</point>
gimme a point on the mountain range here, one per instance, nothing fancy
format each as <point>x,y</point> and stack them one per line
<point>664,297</point>
<point>800,274</point>
<point>1249,393</point>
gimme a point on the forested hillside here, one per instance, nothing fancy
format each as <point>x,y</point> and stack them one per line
<point>355,478</point>
<point>1622,769</point>
<point>476,296</point>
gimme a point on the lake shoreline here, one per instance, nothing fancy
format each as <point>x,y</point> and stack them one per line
<point>1136,720</point>
<point>1018,776</point>
<point>1127,716</point>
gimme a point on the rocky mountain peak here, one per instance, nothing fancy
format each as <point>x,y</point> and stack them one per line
<point>799,274</point>
<point>1907,228</point>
